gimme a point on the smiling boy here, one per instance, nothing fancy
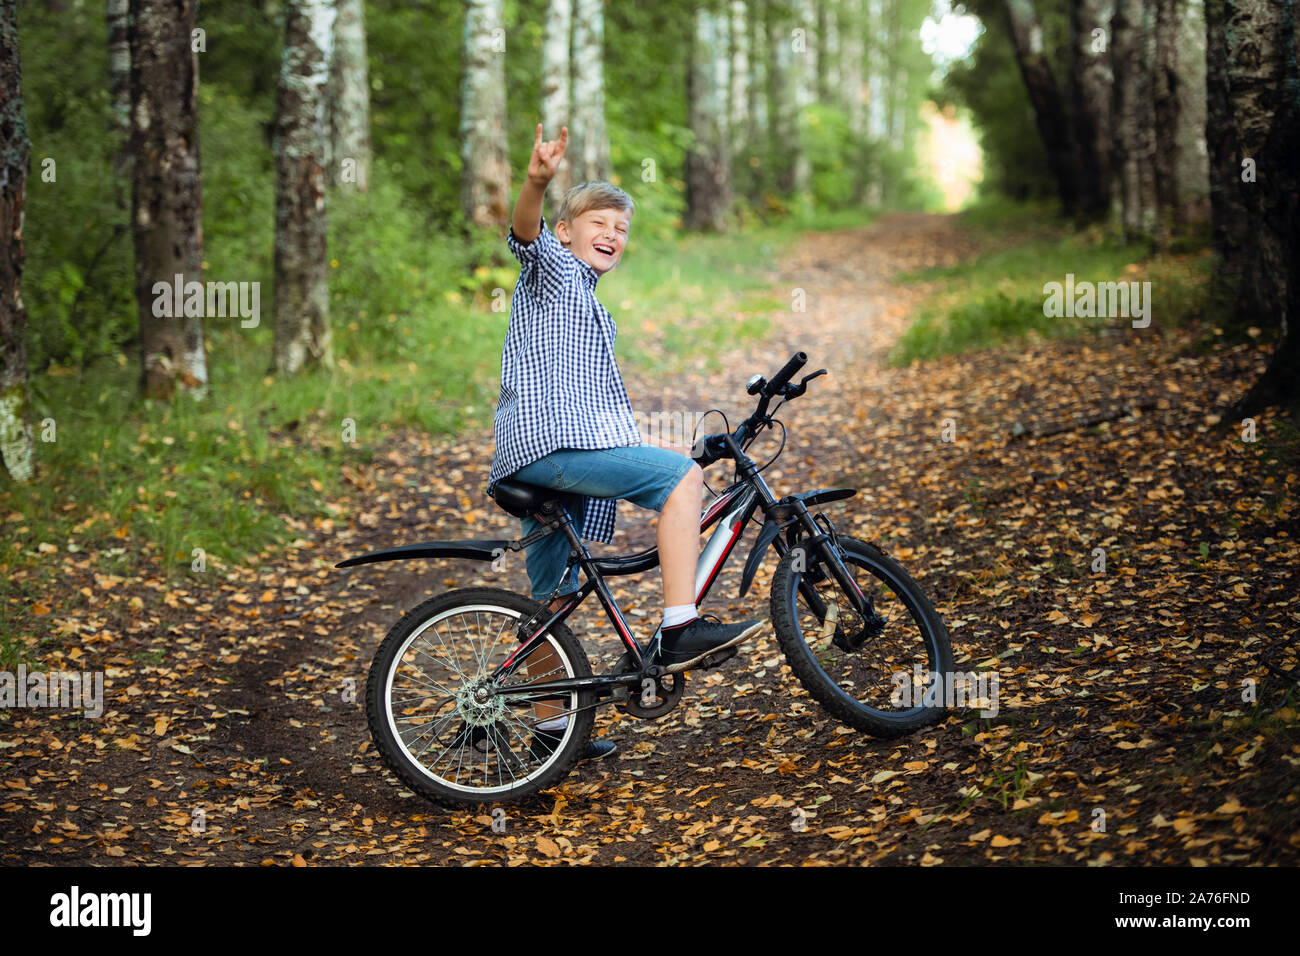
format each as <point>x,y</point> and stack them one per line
<point>564,420</point>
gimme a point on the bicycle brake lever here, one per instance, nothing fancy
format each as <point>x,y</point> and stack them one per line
<point>794,391</point>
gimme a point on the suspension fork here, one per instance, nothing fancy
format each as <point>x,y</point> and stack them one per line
<point>822,541</point>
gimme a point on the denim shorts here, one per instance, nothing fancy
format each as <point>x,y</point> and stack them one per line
<point>643,474</point>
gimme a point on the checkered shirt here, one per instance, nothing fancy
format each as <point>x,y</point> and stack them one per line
<point>560,383</point>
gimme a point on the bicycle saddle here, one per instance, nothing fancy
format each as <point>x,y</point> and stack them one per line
<point>522,499</point>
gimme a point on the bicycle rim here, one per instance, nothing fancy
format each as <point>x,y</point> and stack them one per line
<point>446,729</point>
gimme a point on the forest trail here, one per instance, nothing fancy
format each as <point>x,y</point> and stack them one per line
<point>243,746</point>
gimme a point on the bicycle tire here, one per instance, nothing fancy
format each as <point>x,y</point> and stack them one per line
<point>508,743</point>
<point>791,617</point>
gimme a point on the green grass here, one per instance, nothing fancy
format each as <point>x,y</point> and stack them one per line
<point>999,296</point>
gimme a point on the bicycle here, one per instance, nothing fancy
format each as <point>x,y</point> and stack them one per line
<point>449,693</point>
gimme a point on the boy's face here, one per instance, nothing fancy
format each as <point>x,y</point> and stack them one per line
<point>597,237</point>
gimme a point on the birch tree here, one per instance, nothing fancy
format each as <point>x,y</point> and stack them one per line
<point>349,99</point>
<point>591,151</point>
<point>485,165</point>
<point>708,162</point>
<point>557,97</point>
<point>119,95</point>
<point>302,330</point>
<point>166,222</point>
<point>15,400</point>
<point>1133,118</point>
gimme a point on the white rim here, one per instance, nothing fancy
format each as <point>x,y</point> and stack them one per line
<point>412,761</point>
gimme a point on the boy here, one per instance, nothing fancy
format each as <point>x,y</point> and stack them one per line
<point>564,420</point>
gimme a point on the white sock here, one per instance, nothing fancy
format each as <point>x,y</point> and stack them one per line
<point>554,724</point>
<point>679,614</point>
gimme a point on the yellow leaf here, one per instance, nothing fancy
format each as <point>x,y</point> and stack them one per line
<point>160,724</point>
<point>547,847</point>
<point>1000,840</point>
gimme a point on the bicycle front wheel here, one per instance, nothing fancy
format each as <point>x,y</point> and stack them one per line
<point>446,729</point>
<point>881,686</point>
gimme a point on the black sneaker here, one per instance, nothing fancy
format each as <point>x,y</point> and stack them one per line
<point>687,645</point>
<point>544,743</point>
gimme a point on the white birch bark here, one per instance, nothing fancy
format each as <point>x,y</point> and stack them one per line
<point>591,151</point>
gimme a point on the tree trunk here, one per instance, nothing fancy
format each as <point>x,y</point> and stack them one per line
<point>738,126</point>
<point>708,162</point>
<point>349,95</point>
<point>167,219</point>
<point>591,151</point>
<point>877,116</point>
<point>783,146</point>
<point>1091,86</point>
<point>302,330</point>
<point>1133,118</point>
<point>1193,169</point>
<point>853,88</point>
<point>896,79</point>
<point>485,164</point>
<point>1165,85</point>
<point>1049,110</point>
<point>756,86</point>
<point>557,105</point>
<point>15,400</point>
<point>803,69</point>
<point>1227,203</point>
<point>1264,92</point>
<point>119,94</point>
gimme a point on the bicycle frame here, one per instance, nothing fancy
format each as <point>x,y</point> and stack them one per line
<point>731,511</point>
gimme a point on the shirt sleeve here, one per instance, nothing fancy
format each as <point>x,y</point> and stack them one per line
<point>545,262</point>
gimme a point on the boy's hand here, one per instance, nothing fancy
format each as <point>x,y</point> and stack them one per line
<point>544,162</point>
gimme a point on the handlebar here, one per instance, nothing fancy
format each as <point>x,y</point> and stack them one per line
<point>713,448</point>
<point>796,362</point>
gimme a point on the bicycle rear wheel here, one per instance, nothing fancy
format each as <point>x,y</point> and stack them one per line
<point>880,687</point>
<point>445,729</point>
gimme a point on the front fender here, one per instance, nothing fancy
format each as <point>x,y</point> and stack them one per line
<point>779,515</point>
<point>478,550</point>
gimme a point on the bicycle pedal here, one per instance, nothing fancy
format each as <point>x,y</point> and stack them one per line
<point>713,660</point>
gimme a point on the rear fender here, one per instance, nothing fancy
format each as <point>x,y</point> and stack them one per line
<point>476,550</point>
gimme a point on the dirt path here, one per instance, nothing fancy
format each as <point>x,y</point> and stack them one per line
<point>243,745</point>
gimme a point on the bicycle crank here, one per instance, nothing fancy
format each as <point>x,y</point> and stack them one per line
<point>655,696</point>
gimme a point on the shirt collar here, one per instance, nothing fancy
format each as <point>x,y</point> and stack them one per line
<point>587,271</point>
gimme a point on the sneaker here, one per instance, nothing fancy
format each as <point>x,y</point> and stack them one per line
<point>475,737</point>
<point>687,645</point>
<point>544,744</point>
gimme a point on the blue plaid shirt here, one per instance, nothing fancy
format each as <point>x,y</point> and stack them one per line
<point>560,383</point>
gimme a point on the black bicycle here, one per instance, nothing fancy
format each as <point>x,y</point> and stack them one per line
<point>459,685</point>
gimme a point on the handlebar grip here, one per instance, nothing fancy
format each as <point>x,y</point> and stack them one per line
<point>796,362</point>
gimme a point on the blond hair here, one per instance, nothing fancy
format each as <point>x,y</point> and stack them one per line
<point>587,196</point>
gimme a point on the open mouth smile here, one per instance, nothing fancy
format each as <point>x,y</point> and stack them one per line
<point>603,248</point>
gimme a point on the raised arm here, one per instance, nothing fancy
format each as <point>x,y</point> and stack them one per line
<point>542,165</point>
